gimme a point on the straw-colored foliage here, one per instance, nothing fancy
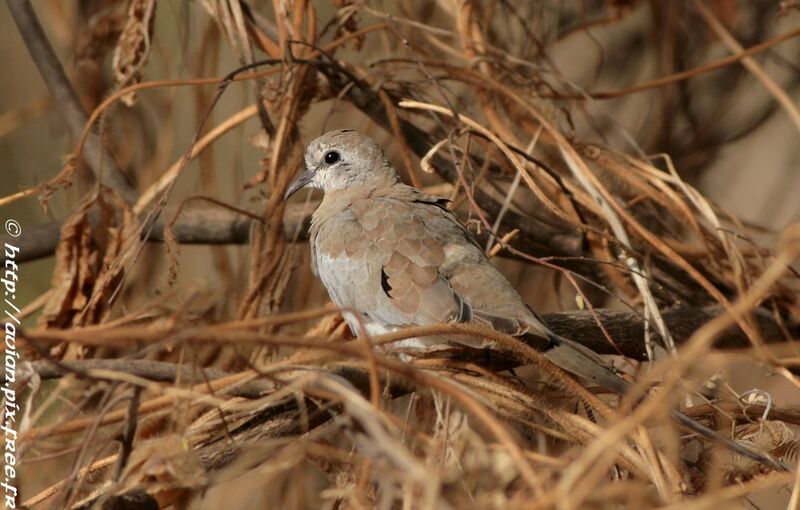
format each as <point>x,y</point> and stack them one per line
<point>573,138</point>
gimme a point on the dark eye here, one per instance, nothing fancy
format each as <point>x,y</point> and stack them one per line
<point>331,157</point>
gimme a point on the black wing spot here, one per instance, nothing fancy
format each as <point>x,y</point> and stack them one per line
<point>553,341</point>
<point>385,283</point>
<point>441,203</point>
<point>464,310</point>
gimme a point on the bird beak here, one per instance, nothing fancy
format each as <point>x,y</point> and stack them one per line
<point>299,182</point>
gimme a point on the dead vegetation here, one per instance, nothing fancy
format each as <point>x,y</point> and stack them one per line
<point>169,375</point>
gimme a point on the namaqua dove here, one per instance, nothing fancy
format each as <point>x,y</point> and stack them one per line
<point>400,258</point>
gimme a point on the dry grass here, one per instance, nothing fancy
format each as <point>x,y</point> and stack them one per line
<point>193,377</point>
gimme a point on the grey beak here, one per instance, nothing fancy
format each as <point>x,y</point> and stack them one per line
<point>299,182</point>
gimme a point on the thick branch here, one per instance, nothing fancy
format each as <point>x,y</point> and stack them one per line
<point>627,328</point>
<point>194,226</point>
<point>35,242</point>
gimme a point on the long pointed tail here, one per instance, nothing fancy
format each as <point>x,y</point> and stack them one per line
<point>584,363</point>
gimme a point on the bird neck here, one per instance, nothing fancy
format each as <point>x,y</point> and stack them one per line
<point>359,182</point>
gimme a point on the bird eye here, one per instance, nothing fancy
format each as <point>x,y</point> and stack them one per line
<point>331,157</point>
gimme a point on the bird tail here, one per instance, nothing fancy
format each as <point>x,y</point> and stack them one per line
<point>583,362</point>
<point>573,357</point>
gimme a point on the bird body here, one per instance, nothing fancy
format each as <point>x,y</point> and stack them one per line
<point>400,257</point>
<point>404,259</point>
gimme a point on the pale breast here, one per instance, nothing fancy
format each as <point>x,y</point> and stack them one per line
<point>340,263</point>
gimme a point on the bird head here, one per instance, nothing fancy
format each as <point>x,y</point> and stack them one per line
<point>343,159</point>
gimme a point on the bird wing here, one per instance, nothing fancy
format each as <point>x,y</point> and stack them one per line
<point>378,256</point>
<point>483,291</point>
<point>488,293</point>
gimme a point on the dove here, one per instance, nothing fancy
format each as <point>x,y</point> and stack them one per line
<point>399,257</point>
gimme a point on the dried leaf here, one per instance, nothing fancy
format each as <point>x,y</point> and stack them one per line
<point>84,275</point>
<point>102,34</point>
<point>71,273</point>
<point>117,228</point>
<point>133,46</point>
